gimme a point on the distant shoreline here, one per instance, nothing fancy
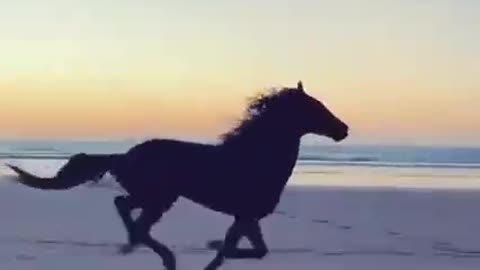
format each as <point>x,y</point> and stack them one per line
<point>322,155</point>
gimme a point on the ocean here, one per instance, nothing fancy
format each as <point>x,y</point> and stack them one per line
<point>318,164</point>
<point>325,155</point>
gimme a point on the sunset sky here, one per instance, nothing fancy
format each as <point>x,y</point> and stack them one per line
<point>395,71</point>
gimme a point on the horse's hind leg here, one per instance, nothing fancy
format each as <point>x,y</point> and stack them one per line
<point>124,206</point>
<point>144,223</point>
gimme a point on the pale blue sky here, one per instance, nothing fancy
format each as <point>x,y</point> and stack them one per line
<point>389,68</point>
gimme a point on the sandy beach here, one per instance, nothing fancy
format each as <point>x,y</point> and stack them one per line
<point>370,110</point>
<point>315,227</point>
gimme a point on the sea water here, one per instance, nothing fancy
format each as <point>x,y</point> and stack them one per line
<point>335,164</point>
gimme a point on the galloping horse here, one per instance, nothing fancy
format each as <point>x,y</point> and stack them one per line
<point>242,176</point>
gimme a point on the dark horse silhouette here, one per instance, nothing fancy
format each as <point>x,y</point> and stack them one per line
<point>243,176</point>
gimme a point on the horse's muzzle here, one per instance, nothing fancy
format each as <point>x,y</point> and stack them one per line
<point>341,134</point>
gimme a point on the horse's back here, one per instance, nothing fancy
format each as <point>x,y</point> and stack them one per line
<point>206,174</point>
<point>163,163</point>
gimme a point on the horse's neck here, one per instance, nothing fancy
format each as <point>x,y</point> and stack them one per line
<point>274,154</point>
<point>282,154</point>
<point>275,161</point>
<point>283,149</point>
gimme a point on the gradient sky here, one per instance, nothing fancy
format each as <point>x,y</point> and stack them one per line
<point>396,71</point>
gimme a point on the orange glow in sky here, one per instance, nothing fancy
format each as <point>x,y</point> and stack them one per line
<point>402,71</point>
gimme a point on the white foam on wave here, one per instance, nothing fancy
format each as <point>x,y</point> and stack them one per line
<point>315,175</point>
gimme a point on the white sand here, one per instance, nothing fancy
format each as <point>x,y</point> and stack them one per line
<point>314,228</point>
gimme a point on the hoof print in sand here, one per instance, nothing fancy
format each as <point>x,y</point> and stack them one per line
<point>394,233</point>
<point>322,221</point>
<point>380,252</point>
<point>25,257</point>
<point>444,248</point>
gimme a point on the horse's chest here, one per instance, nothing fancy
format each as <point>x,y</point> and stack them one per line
<point>248,185</point>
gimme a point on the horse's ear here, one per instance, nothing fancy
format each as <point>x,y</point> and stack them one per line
<point>300,86</point>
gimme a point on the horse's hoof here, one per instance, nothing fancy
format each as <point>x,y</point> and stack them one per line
<point>126,249</point>
<point>170,263</point>
<point>215,244</point>
<point>215,263</point>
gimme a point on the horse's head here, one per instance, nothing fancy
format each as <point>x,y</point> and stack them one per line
<point>288,111</point>
<point>312,116</point>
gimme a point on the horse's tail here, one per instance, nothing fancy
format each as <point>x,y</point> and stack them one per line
<point>79,169</point>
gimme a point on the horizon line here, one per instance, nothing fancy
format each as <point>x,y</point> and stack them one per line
<point>201,139</point>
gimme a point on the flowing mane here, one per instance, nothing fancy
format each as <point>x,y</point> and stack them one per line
<point>258,114</point>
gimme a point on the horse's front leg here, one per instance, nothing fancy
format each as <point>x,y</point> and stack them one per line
<point>248,228</point>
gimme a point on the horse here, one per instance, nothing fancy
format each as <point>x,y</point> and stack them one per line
<point>242,176</point>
